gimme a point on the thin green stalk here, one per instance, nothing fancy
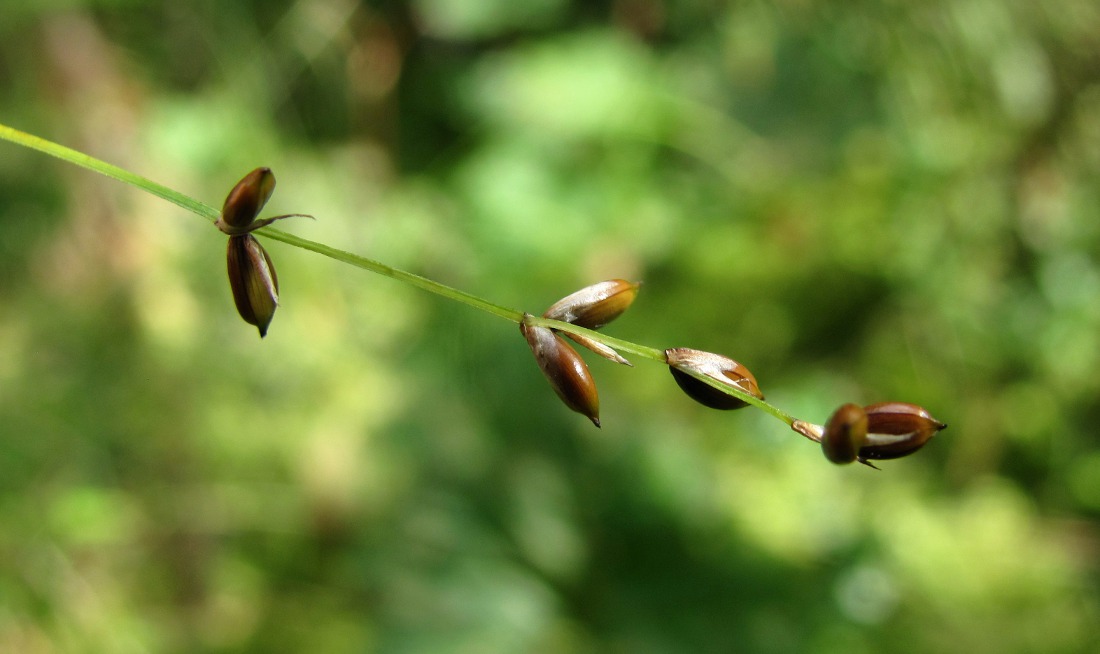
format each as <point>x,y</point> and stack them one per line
<point>394,273</point>
<point>210,213</point>
<point>104,168</point>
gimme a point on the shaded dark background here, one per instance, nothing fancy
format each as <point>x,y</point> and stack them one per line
<point>873,201</point>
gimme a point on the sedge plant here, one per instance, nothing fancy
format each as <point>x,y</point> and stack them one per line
<point>879,431</point>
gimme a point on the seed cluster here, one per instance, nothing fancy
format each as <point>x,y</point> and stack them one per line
<point>252,276</point>
<point>887,430</point>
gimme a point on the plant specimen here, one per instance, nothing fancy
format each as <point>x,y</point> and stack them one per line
<point>879,431</point>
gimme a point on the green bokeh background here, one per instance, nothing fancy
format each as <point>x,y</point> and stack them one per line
<point>860,201</point>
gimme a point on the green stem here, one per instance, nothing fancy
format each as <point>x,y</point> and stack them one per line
<point>394,273</point>
<point>212,214</point>
<point>104,168</point>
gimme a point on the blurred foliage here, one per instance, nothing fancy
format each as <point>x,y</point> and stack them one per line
<point>860,201</point>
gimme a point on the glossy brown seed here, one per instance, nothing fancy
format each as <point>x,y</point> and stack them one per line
<point>897,429</point>
<point>245,201</point>
<point>565,369</point>
<point>594,306</point>
<point>253,281</point>
<point>844,434</point>
<point>720,368</point>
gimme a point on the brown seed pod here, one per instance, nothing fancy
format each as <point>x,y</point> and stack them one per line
<point>245,201</point>
<point>594,306</point>
<point>897,429</point>
<point>251,273</point>
<point>253,281</point>
<point>564,368</point>
<point>844,434</point>
<point>717,367</point>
